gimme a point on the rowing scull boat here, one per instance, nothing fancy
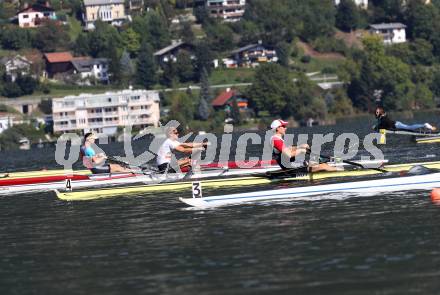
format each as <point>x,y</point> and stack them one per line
<point>87,194</point>
<point>82,181</point>
<point>380,185</point>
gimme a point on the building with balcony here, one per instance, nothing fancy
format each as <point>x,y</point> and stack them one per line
<point>16,65</point>
<point>250,56</point>
<point>109,11</point>
<point>104,113</point>
<point>169,54</point>
<point>391,33</point>
<point>33,15</point>
<point>228,10</point>
<point>91,69</point>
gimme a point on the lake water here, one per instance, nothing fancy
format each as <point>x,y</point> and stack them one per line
<point>153,244</point>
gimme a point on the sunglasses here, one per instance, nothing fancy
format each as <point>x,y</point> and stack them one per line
<point>175,132</point>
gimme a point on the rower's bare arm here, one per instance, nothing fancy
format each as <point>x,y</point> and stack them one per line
<point>98,159</point>
<point>193,144</point>
<point>187,150</point>
<point>296,151</point>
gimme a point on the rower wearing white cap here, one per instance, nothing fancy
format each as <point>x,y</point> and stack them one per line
<point>170,145</point>
<point>288,153</point>
<point>96,162</point>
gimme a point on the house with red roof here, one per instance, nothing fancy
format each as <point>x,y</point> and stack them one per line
<point>31,16</point>
<point>225,100</point>
<point>58,63</point>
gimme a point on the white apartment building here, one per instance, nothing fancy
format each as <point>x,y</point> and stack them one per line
<point>391,33</point>
<point>361,3</point>
<point>104,113</point>
<point>228,10</point>
<point>109,11</point>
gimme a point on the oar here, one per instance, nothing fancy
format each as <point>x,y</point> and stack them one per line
<point>309,151</point>
<point>128,165</point>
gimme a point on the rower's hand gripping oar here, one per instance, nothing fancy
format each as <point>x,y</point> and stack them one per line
<point>309,151</point>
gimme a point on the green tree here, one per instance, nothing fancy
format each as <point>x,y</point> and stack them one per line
<point>347,16</point>
<point>27,84</point>
<point>7,10</point>
<point>146,66</point>
<point>387,10</point>
<point>159,36</point>
<point>201,14</point>
<point>283,52</point>
<point>51,36</point>
<point>235,112</point>
<point>341,104</point>
<point>204,58</point>
<point>169,75</point>
<point>14,38</point>
<point>203,110</point>
<point>271,89</point>
<point>205,97</point>
<point>422,52</point>
<point>220,37</point>
<point>114,67</point>
<point>435,85</point>
<point>11,89</point>
<point>248,31</point>
<point>153,29</point>
<point>184,66</point>
<point>103,40</point>
<point>11,137</point>
<point>182,108</point>
<point>81,46</point>
<point>302,103</point>
<point>421,20</point>
<point>187,33</point>
<point>380,72</point>
<point>423,97</point>
<point>131,41</point>
<point>127,69</point>
<point>323,14</point>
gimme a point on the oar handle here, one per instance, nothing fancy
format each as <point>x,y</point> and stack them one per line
<point>309,151</point>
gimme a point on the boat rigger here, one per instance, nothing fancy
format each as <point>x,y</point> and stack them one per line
<point>225,181</point>
<point>306,192</point>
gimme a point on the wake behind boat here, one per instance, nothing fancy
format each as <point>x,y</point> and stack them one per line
<point>300,191</point>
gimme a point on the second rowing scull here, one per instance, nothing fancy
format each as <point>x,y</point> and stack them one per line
<point>91,194</point>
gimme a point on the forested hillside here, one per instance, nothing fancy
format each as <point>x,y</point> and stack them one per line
<point>403,76</point>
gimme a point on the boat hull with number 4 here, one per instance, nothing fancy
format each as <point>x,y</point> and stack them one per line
<point>224,180</point>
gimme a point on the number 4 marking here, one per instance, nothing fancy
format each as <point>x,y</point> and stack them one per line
<point>197,189</point>
<point>68,185</point>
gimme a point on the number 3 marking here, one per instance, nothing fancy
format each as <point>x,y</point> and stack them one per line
<point>197,190</point>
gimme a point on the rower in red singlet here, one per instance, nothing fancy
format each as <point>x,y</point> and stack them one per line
<point>288,153</point>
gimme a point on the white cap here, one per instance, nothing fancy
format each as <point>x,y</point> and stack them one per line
<point>277,123</point>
